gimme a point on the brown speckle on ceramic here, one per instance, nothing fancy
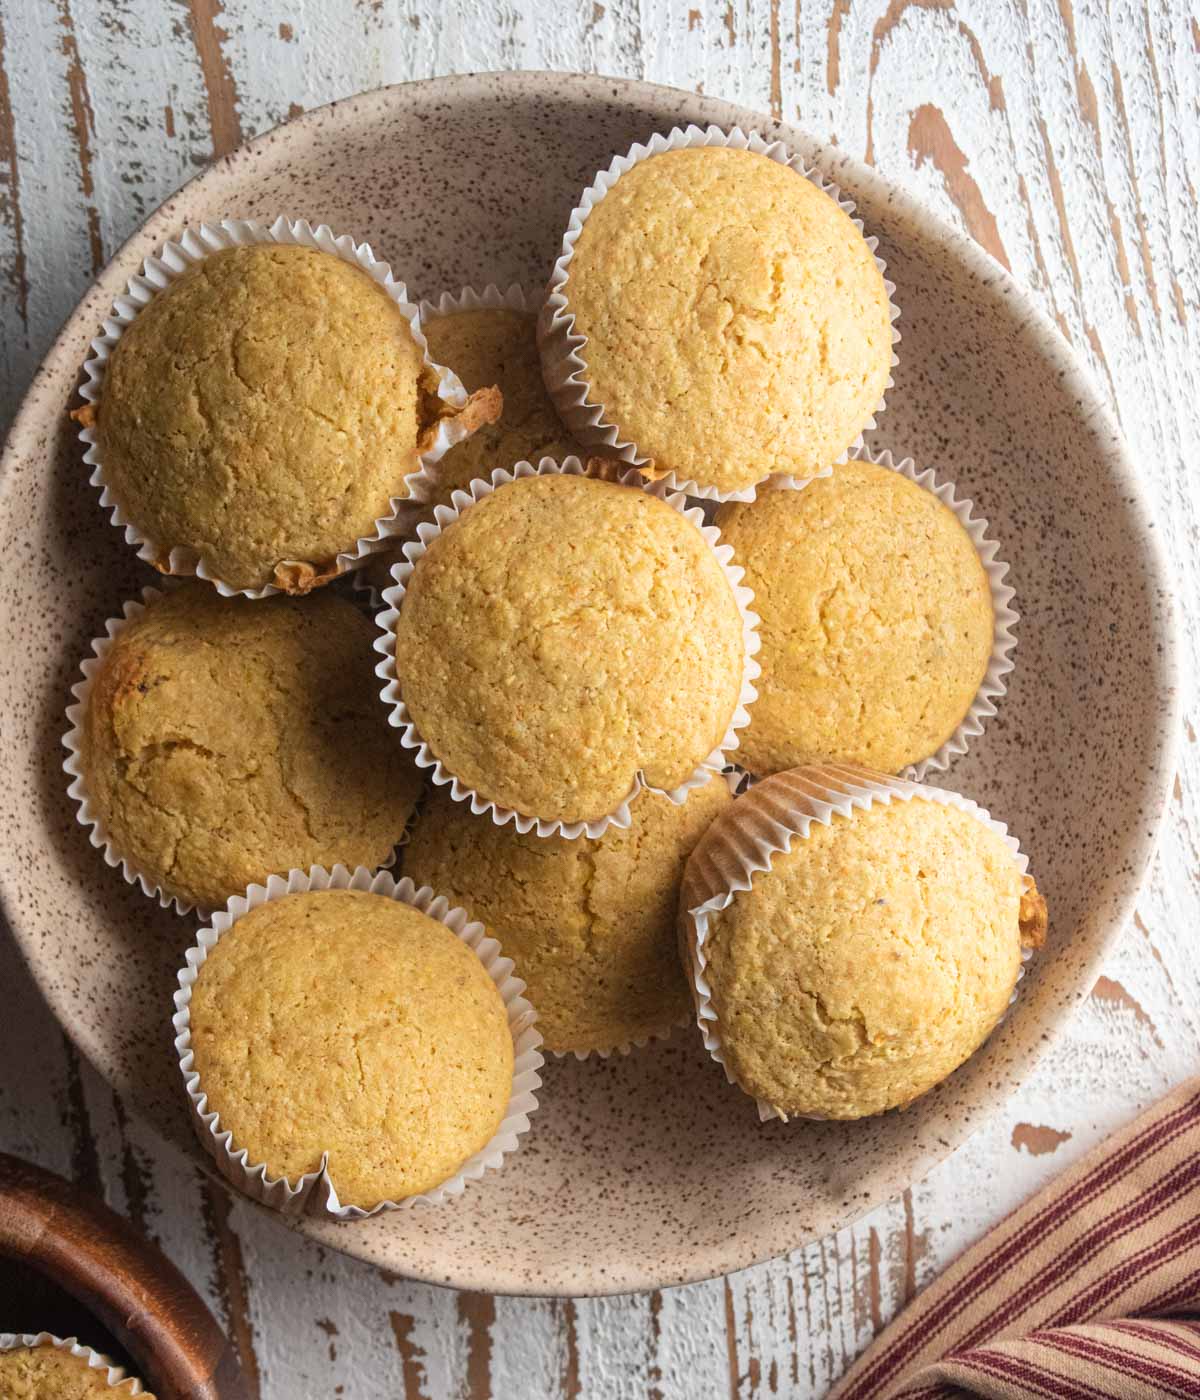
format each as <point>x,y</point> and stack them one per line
<point>646,1170</point>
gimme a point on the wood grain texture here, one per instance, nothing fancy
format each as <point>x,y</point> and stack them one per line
<point>1064,137</point>
<point>134,1292</point>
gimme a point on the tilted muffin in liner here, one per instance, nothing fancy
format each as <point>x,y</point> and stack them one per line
<point>732,779</point>
<point>160,270</point>
<point>114,1376</point>
<point>73,764</point>
<point>445,516</point>
<point>314,1193</point>
<point>769,818</point>
<point>563,361</point>
<point>410,513</point>
<point>1006,617</point>
<point>575,908</point>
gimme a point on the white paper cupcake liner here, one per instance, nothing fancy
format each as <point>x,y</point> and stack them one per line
<point>166,266</point>
<point>114,1376</point>
<point>1005,616</point>
<point>85,813</point>
<point>563,364</point>
<point>314,1192</point>
<point>491,298</point>
<point>393,597</point>
<point>732,778</point>
<point>773,814</point>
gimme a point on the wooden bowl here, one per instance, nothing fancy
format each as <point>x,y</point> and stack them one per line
<point>132,1289</point>
<point>648,1170</point>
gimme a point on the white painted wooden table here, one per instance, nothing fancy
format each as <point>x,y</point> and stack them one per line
<point>1066,138</point>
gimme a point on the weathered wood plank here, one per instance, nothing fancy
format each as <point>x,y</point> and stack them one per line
<point>689,1347</point>
<point>534,1353</point>
<point>47,259</point>
<point>220,90</point>
<point>1063,138</point>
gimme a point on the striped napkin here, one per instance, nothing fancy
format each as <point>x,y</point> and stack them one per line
<point>1090,1291</point>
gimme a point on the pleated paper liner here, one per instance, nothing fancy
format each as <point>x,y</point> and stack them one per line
<point>491,298</point>
<point>767,820</point>
<point>114,1376</point>
<point>163,268</point>
<point>562,347</point>
<point>444,517</point>
<point>315,1192</point>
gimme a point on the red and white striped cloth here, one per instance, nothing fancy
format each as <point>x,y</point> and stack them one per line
<point>1090,1291</point>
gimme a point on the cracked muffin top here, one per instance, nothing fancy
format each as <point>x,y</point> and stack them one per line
<point>263,410</point>
<point>737,324</point>
<point>226,740</point>
<point>871,959</point>
<point>344,1022</point>
<point>876,620</point>
<point>490,345</point>
<point>46,1372</point>
<point>563,635</point>
<point>589,923</point>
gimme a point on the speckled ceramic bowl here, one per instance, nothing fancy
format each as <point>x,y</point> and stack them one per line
<point>647,1170</point>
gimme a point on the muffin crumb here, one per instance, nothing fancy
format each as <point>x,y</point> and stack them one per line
<point>1034,916</point>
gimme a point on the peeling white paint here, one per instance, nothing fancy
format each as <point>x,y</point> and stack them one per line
<point>1011,84</point>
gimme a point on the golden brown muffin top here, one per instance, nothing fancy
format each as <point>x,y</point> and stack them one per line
<point>47,1372</point>
<point>876,620</point>
<point>563,635</point>
<point>737,324</point>
<point>226,740</point>
<point>345,1022</point>
<point>262,411</point>
<point>589,923</point>
<point>869,962</point>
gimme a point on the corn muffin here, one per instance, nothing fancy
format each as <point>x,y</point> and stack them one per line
<point>347,1023</point>
<point>262,411</point>
<point>736,322</point>
<point>589,923</point>
<point>871,960</point>
<point>46,1372</point>
<point>564,635</point>
<point>225,740</point>
<point>485,346</point>
<point>876,620</point>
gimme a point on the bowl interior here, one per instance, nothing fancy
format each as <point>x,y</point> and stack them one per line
<point>35,1303</point>
<point>647,1170</point>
